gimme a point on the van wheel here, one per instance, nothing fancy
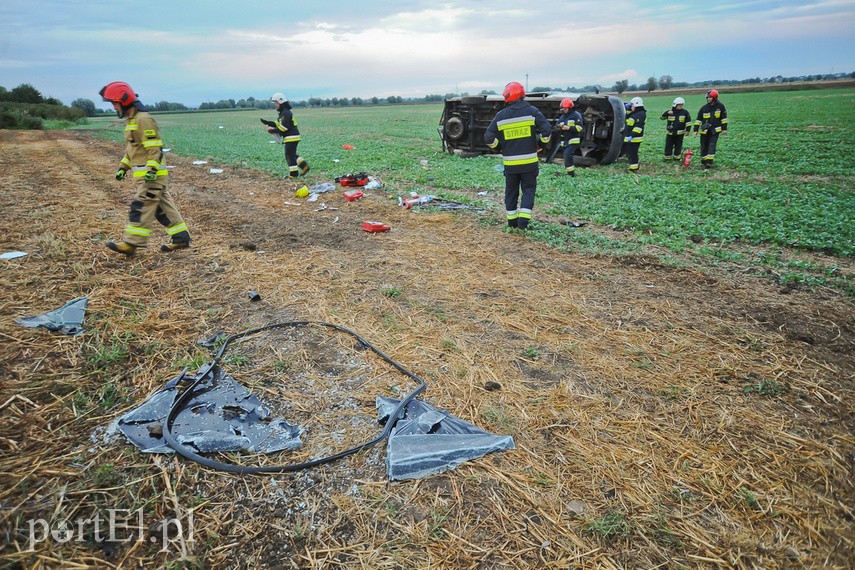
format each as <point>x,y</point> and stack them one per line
<point>454,128</point>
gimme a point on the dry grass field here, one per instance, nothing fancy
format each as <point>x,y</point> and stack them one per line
<point>663,417</point>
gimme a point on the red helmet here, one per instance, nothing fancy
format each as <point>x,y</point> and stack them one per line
<point>567,103</point>
<point>712,93</point>
<point>513,91</point>
<point>118,92</point>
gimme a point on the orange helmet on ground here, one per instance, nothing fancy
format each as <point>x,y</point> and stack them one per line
<point>118,92</point>
<point>567,103</point>
<point>513,91</point>
<point>712,93</point>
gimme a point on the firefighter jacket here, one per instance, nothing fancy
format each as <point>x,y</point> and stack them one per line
<point>143,145</point>
<point>286,125</point>
<point>634,129</point>
<point>516,130</point>
<point>712,118</point>
<point>572,119</point>
<point>679,121</point>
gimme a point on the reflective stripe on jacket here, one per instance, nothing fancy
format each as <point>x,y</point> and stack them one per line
<point>516,130</point>
<point>286,124</point>
<point>711,117</point>
<point>573,119</point>
<point>634,129</point>
<point>143,145</point>
<point>679,121</point>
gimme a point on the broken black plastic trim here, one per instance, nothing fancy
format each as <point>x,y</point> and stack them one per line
<point>206,371</point>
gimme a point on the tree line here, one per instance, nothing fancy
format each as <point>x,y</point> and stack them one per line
<point>25,108</point>
<point>667,82</point>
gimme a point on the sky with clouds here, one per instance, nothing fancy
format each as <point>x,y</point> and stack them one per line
<point>190,51</point>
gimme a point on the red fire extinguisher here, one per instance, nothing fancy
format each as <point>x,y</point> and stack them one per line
<point>687,158</point>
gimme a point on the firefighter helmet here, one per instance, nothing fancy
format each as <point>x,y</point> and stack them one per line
<point>679,101</point>
<point>279,98</point>
<point>513,91</point>
<point>712,93</point>
<point>118,92</point>
<point>567,103</point>
<point>636,102</point>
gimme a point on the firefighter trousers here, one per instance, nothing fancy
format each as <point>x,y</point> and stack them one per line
<point>569,161</point>
<point>154,202</point>
<point>296,164</point>
<point>516,182</point>
<point>632,154</point>
<point>673,146</point>
<point>708,143</point>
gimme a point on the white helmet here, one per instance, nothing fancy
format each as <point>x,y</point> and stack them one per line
<point>279,98</point>
<point>636,102</point>
<point>679,101</point>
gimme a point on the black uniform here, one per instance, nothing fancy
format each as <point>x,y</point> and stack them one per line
<point>679,123</point>
<point>285,128</point>
<point>633,135</point>
<point>570,138</point>
<point>516,130</point>
<point>711,122</point>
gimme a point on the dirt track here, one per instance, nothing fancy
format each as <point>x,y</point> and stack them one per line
<point>630,387</point>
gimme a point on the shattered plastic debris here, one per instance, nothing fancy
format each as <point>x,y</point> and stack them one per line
<point>427,441</point>
<point>13,254</point>
<point>373,184</point>
<point>321,188</point>
<point>216,171</point>
<point>200,162</point>
<point>222,416</point>
<point>67,319</point>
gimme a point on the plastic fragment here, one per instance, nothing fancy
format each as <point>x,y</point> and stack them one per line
<point>67,319</point>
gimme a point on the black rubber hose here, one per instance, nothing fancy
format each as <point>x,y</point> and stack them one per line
<point>220,466</point>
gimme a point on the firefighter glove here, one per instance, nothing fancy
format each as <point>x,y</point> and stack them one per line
<point>150,175</point>
<point>120,174</point>
<point>268,123</point>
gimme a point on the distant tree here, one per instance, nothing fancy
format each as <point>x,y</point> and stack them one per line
<point>621,86</point>
<point>666,81</point>
<point>25,93</point>
<point>375,101</point>
<point>85,105</point>
<point>651,84</point>
<point>167,106</point>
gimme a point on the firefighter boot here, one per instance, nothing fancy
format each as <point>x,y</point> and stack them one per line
<point>121,247</point>
<point>304,166</point>
<point>167,247</point>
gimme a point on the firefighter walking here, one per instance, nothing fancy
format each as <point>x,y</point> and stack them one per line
<point>144,160</point>
<point>569,126</point>
<point>679,123</point>
<point>633,131</point>
<point>711,122</point>
<point>285,129</point>
<point>516,130</point>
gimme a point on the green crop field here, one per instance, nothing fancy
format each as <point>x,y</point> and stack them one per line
<point>779,202</point>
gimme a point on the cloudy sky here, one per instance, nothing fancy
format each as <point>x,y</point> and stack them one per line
<point>190,51</point>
